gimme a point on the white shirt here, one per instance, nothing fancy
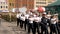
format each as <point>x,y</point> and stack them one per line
<point>57,19</point>
<point>35,15</point>
<point>48,16</point>
<point>53,20</point>
<point>17,15</point>
<point>40,19</point>
<point>20,14</point>
<point>31,20</point>
<point>27,16</point>
<point>23,18</point>
<point>37,19</point>
<point>30,13</point>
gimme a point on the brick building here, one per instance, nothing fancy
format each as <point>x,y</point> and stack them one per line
<point>28,3</point>
<point>20,3</point>
<point>11,4</point>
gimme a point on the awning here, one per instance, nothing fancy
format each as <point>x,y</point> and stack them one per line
<point>55,3</point>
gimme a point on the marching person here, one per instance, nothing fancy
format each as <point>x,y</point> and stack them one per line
<point>44,26</point>
<point>22,20</point>
<point>53,27</point>
<point>30,24</point>
<point>18,19</point>
<point>40,17</point>
<point>57,20</point>
<point>49,18</point>
<point>37,23</point>
<point>57,23</point>
<point>26,20</point>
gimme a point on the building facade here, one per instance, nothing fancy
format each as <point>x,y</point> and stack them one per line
<point>28,3</point>
<point>11,4</point>
<point>38,3</point>
<point>51,1</point>
<point>20,3</point>
<point>3,5</point>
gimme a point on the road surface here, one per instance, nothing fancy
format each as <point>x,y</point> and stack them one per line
<point>10,28</point>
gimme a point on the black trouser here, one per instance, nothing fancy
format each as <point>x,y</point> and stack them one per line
<point>18,21</point>
<point>53,29</point>
<point>25,24</point>
<point>31,27</point>
<point>21,24</point>
<point>44,28</point>
<point>59,28</point>
<point>36,26</point>
<point>49,22</point>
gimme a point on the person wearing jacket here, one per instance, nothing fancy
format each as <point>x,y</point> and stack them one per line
<point>44,26</point>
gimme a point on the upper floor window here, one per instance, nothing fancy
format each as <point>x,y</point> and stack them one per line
<point>10,4</point>
<point>6,7</point>
<point>41,2</point>
<point>0,6</point>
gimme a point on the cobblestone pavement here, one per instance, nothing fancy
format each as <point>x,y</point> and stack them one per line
<point>10,28</point>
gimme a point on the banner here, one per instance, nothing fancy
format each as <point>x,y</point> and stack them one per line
<point>23,9</point>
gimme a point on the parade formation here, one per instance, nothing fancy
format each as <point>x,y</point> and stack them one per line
<point>38,21</point>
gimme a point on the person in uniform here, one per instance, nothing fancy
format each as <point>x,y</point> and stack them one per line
<point>53,27</point>
<point>20,14</point>
<point>44,26</point>
<point>57,24</point>
<point>37,23</point>
<point>18,19</point>
<point>26,20</point>
<point>30,24</point>
<point>22,20</point>
<point>40,17</point>
<point>49,18</point>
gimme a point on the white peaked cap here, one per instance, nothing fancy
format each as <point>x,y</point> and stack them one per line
<point>55,14</point>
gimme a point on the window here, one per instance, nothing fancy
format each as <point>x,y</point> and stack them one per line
<point>1,6</point>
<point>10,4</point>
<point>50,2</point>
<point>24,4</point>
<point>16,5</point>
<point>41,2</point>
<point>37,5</point>
<point>1,2</point>
<point>6,7</point>
<point>30,6</point>
<point>18,0</point>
